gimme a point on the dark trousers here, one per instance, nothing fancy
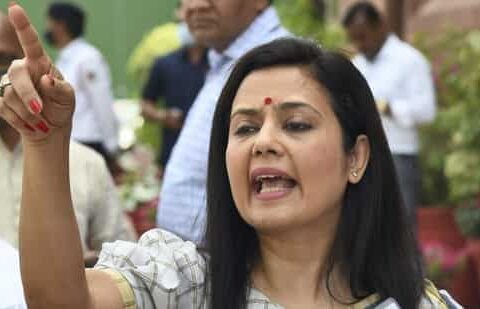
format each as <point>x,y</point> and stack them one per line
<point>408,174</point>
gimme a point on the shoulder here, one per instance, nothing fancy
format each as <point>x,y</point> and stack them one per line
<point>437,299</point>
<point>83,157</point>
<point>169,59</point>
<point>158,254</point>
<point>409,56</point>
<point>79,152</point>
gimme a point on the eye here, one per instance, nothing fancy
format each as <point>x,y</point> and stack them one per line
<point>245,130</point>
<point>297,126</point>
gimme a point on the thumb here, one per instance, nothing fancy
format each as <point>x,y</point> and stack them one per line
<point>59,100</point>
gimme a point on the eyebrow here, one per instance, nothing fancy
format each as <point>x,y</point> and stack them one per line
<point>280,106</point>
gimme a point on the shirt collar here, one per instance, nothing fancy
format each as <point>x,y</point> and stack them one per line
<point>70,49</point>
<point>264,23</point>
<point>388,46</point>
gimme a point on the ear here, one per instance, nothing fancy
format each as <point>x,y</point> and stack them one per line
<point>358,159</point>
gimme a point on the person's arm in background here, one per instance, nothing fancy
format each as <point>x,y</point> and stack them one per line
<point>96,82</point>
<point>107,219</point>
<point>153,90</point>
<point>417,104</point>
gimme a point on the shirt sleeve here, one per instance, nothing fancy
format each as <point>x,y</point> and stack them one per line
<point>96,81</point>
<point>107,221</point>
<point>416,105</point>
<point>162,270</point>
<point>154,86</point>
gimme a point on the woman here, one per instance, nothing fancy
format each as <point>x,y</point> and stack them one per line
<point>303,205</point>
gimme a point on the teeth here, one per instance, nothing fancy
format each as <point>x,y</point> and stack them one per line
<point>266,190</point>
<point>264,177</point>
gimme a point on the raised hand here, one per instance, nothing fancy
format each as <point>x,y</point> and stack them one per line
<point>36,101</point>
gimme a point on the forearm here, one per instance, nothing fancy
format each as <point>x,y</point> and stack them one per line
<point>51,255</point>
<point>152,113</point>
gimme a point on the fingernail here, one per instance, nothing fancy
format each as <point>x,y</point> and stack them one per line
<point>35,106</point>
<point>42,127</point>
<point>29,127</point>
<point>11,3</point>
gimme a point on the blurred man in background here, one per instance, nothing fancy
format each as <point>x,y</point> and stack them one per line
<point>176,78</point>
<point>402,84</point>
<point>230,29</point>
<point>96,202</point>
<point>160,41</point>
<point>94,121</point>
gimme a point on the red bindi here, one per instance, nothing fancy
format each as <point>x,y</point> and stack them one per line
<point>268,101</point>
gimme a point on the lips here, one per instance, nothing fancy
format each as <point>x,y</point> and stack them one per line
<point>270,183</point>
<point>200,22</point>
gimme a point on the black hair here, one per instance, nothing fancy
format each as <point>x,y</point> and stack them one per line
<point>364,9</point>
<point>71,15</point>
<point>374,245</point>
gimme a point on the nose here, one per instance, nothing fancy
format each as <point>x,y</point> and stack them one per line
<point>266,142</point>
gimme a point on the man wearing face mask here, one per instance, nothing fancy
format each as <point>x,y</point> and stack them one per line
<point>176,78</point>
<point>94,122</point>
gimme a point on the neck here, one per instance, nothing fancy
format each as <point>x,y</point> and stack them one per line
<point>10,137</point>
<point>64,42</point>
<point>221,46</point>
<point>382,42</point>
<point>195,54</point>
<point>298,264</point>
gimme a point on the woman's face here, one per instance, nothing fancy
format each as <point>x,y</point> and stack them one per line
<point>285,160</point>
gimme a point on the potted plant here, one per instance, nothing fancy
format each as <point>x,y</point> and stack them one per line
<point>139,187</point>
<point>452,143</point>
<point>468,218</point>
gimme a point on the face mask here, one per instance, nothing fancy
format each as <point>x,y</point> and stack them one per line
<point>48,36</point>
<point>186,37</point>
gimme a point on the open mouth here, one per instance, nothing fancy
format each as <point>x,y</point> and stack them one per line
<point>272,183</point>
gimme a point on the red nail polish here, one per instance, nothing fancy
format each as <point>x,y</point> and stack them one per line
<point>35,106</point>
<point>29,127</point>
<point>42,127</point>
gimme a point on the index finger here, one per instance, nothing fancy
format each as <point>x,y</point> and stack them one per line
<point>27,35</point>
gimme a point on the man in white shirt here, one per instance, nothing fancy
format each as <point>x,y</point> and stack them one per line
<point>230,29</point>
<point>94,122</point>
<point>402,84</point>
<point>11,289</point>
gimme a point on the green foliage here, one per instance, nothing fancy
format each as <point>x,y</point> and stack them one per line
<point>451,145</point>
<point>468,219</point>
<point>160,41</point>
<point>302,19</point>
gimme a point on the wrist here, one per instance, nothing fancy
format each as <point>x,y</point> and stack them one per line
<point>56,140</point>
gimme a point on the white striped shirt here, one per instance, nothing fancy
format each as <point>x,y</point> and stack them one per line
<point>183,195</point>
